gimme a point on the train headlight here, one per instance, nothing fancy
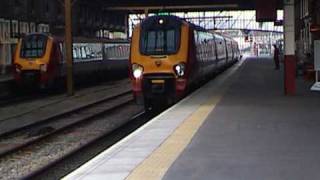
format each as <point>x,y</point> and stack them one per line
<point>137,70</point>
<point>43,68</point>
<point>18,68</point>
<point>179,69</point>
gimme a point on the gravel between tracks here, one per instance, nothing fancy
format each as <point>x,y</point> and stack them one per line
<point>32,158</point>
<point>30,112</point>
<point>27,107</point>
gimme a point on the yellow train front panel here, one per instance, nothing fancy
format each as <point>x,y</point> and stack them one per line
<point>159,58</point>
<point>32,58</point>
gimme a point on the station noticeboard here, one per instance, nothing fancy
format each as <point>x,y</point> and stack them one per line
<point>316,86</point>
<point>317,55</point>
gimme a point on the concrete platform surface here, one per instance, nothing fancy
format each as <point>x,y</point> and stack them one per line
<point>5,78</point>
<point>255,132</point>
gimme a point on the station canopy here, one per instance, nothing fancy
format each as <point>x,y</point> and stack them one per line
<point>185,5</point>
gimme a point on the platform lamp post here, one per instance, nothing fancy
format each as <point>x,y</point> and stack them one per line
<point>68,44</point>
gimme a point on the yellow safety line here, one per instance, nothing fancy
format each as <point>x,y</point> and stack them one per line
<point>157,164</point>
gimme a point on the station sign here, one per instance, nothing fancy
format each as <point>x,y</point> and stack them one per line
<point>266,11</point>
<point>316,86</point>
<point>163,13</point>
<point>278,23</point>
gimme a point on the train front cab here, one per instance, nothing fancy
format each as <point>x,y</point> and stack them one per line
<point>159,54</point>
<point>36,60</point>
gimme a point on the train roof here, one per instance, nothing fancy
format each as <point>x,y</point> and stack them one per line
<point>153,21</point>
<point>171,19</point>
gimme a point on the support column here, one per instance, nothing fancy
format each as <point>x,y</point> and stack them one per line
<point>289,48</point>
<point>68,42</point>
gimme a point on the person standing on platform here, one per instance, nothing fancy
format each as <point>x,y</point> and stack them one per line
<point>276,57</point>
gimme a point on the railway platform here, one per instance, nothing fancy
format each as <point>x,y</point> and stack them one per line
<point>239,126</point>
<point>5,78</point>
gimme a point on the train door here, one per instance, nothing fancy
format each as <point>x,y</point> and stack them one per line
<point>197,43</point>
<point>233,51</point>
<point>224,52</point>
<point>214,49</point>
<point>227,50</point>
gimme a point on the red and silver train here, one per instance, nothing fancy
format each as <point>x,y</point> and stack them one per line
<point>169,55</point>
<point>39,59</point>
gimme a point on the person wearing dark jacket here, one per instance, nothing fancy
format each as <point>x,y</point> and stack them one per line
<point>276,57</point>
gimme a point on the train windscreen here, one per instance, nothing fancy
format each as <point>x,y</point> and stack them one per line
<point>160,41</point>
<point>33,46</point>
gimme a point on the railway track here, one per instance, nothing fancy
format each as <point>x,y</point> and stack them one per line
<point>12,99</point>
<point>26,151</point>
<point>19,138</point>
<point>26,113</point>
<point>9,98</point>
<point>66,164</point>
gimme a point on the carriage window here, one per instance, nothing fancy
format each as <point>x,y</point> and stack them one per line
<point>115,51</point>
<point>74,53</point>
<point>33,46</point>
<point>79,53</point>
<point>163,41</point>
<point>83,53</point>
